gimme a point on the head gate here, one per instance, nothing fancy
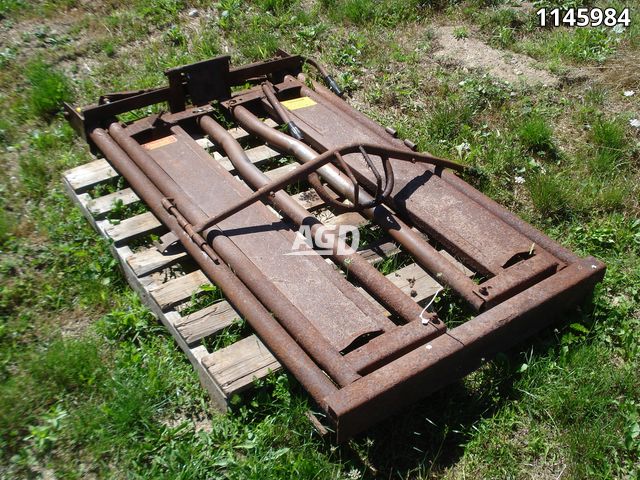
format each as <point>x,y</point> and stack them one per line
<point>362,344</point>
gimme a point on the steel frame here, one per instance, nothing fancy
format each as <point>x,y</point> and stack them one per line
<point>519,292</point>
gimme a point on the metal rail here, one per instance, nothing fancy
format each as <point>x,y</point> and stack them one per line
<point>291,318</point>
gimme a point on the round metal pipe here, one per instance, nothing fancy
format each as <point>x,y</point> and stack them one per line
<point>292,356</point>
<point>291,318</point>
<point>368,276</point>
<point>425,254</point>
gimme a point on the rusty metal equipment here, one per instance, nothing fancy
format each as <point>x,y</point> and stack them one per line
<point>358,361</point>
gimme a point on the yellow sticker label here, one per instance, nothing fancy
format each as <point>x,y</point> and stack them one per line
<point>161,142</point>
<point>297,103</point>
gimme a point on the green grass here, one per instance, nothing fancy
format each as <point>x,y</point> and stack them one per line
<point>579,45</point>
<point>91,385</point>
<point>362,12</point>
<point>49,88</point>
<point>611,147</point>
<point>536,135</point>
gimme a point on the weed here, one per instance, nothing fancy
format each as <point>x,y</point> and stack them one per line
<point>228,336</point>
<point>536,135</point>
<point>9,7</point>
<point>562,5</point>
<point>615,234</point>
<point>7,224</point>
<point>207,44</point>
<point>35,174</point>
<point>43,435</point>
<point>49,88</point>
<point>160,12</point>
<point>579,45</point>
<point>228,9</point>
<point>385,12</point>
<point>610,147</point>
<point>448,120</point>
<point>595,95</point>
<point>505,18</point>
<point>205,296</point>
<point>504,36</point>
<point>551,196</point>
<point>359,11</point>
<point>256,42</point>
<point>460,33</point>
<point>277,7</point>
<point>130,323</point>
<point>109,48</point>
<point>175,36</point>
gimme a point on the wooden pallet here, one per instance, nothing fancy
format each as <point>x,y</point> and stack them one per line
<point>231,369</point>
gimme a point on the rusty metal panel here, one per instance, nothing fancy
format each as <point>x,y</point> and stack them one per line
<point>445,213</point>
<point>266,241</point>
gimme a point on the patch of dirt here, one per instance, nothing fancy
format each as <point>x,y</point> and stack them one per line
<point>75,322</point>
<point>31,36</point>
<point>199,422</point>
<point>619,74</point>
<point>474,54</point>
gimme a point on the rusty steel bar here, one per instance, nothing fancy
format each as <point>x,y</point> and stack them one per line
<point>268,189</point>
<point>295,132</point>
<point>291,318</point>
<point>368,276</point>
<point>279,341</point>
<point>385,348</point>
<point>425,254</point>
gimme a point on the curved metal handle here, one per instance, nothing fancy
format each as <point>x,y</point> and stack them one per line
<point>382,192</point>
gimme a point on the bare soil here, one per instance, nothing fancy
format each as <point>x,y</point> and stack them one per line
<point>474,54</point>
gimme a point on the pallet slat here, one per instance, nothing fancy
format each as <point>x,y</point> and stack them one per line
<point>237,366</point>
<point>206,322</point>
<point>376,253</point>
<point>309,199</point>
<point>280,172</point>
<point>132,228</point>
<point>151,260</point>
<point>179,289</point>
<point>101,206</point>
<point>89,175</point>
<point>349,218</point>
<point>257,155</point>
